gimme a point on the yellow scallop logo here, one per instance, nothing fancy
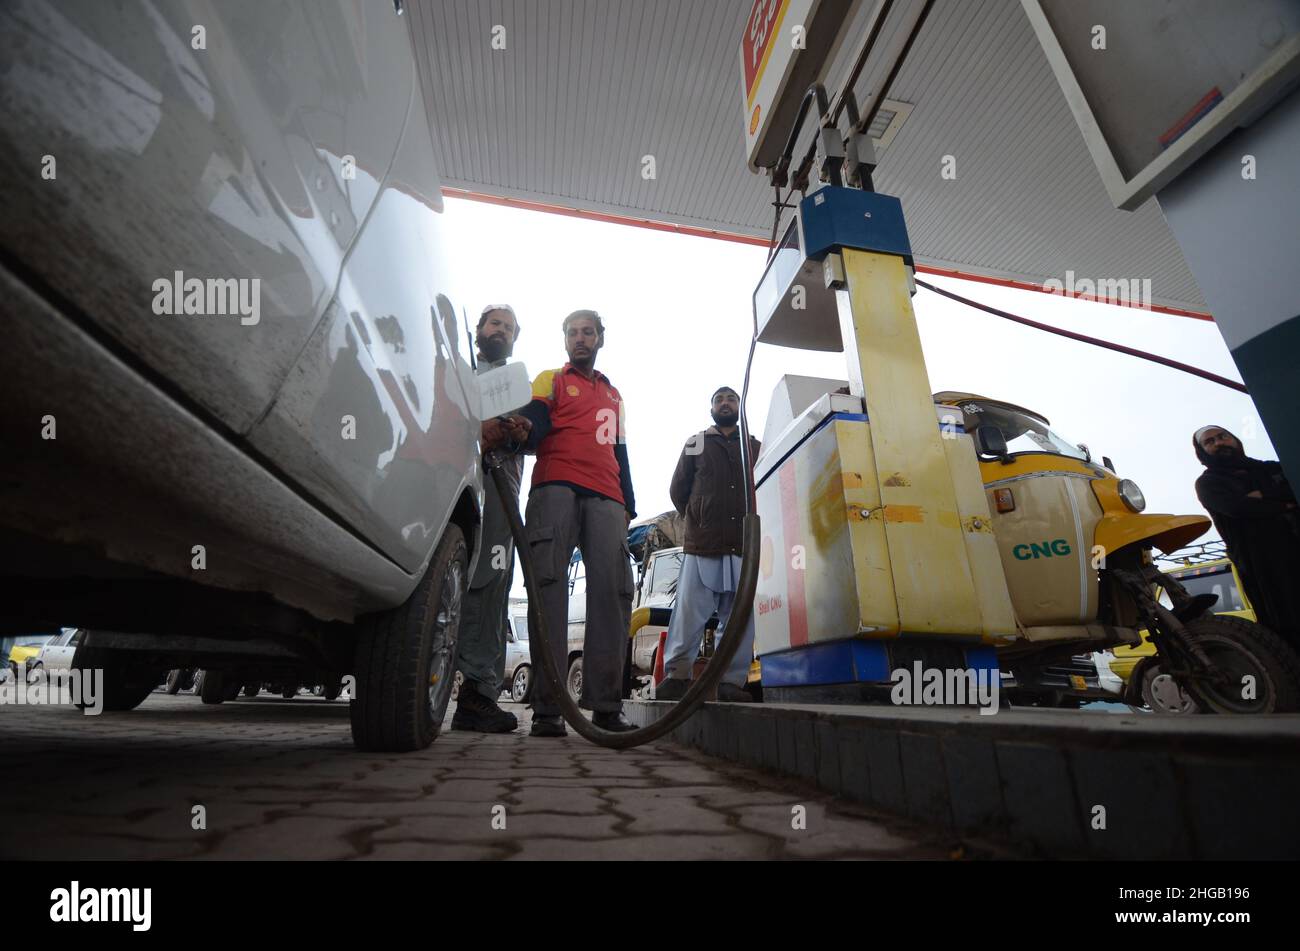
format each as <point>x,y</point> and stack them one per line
<point>572,390</point>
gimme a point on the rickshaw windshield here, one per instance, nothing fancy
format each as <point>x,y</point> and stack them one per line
<point>1023,432</point>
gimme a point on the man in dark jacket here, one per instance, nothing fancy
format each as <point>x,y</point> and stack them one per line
<point>708,488</point>
<point>1254,510</point>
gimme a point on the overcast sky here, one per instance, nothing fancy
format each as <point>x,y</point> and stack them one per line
<point>678,321</point>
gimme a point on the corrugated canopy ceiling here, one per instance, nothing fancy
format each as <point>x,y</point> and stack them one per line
<point>585,89</point>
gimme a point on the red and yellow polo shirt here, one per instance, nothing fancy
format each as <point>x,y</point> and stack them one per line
<point>583,441</point>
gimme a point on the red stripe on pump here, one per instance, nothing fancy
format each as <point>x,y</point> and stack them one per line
<point>792,531</point>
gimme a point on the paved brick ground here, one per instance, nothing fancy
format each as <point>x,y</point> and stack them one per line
<point>280,779</point>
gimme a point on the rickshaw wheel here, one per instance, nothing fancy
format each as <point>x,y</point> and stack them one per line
<point>1252,659</point>
<point>1162,693</point>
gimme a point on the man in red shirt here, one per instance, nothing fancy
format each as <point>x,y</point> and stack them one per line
<point>581,497</point>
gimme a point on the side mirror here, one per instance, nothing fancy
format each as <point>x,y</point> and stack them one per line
<point>989,441</point>
<point>1105,461</point>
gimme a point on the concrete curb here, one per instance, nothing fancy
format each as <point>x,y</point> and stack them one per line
<point>1170,788</point>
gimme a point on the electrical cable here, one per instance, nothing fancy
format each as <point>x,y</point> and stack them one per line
<point>1095,341</point>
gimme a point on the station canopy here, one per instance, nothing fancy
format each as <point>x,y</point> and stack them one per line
<point>584,92</point>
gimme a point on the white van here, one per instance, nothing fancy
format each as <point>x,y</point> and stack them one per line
<point>240,430</point>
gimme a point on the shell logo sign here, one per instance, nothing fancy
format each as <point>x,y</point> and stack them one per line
<point>775,36</point>
<point>756,44</point>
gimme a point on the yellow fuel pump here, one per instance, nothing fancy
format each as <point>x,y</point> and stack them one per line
<point>904,532</point>
<point>878,549</point>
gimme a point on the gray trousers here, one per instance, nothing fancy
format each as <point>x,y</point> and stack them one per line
<point>481,653</point>
<point>558,520</point>
<point>695,603</point>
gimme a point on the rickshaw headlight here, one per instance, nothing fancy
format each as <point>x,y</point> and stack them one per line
<point>1132,495</point>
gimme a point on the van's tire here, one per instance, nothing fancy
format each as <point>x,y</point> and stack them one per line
<point>1240,648</point>
<point>406,657</point>
<point>125,684</point>
<point>521,684</point>
<point>573,682</point>
<point>213,688</point>
<point>175,677</point>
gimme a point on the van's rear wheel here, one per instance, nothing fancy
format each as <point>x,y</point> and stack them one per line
<point>406,658</point>
<point>521,685</point>
<point>1253,670</point>
<point>574,681</point>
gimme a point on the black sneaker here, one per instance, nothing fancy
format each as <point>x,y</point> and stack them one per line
<point>614,722</point>
<point>475,713</point>
<point>548,726</point>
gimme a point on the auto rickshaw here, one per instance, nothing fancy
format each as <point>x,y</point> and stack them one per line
<point>1075,545</point>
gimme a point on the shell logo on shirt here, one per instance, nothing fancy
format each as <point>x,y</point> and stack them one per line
<point>571,390</point>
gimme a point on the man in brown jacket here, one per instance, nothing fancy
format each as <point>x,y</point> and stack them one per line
<point>708,488</point>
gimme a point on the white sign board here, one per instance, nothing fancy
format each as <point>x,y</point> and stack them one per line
<point>503,390</point>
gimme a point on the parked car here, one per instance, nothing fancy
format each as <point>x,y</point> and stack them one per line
<point>56,653</point>
<point>239,428</point>
<point>519,663</point>
<point>22,651</point>
<point>652,605</point>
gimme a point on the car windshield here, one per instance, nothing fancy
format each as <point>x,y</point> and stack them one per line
<point>666,570</point>
<point>1217,582</point>
<point>1022,431</point>
<point>33,640</point>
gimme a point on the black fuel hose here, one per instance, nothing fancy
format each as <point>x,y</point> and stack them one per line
<point>703,688</point>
